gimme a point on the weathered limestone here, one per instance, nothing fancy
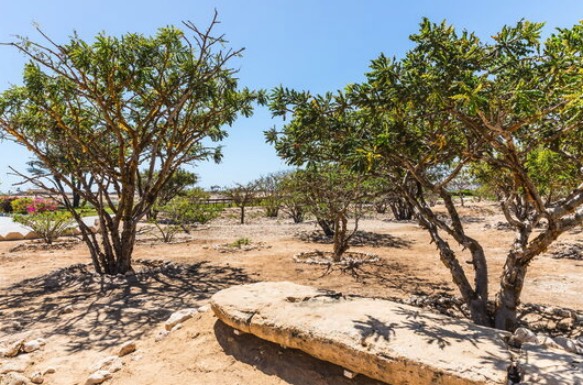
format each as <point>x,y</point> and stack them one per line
<point>178,317</point>
<point>127,348</point>
<point>388,341</point>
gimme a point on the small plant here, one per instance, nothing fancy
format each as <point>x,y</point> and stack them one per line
<point>183,213</point>
<point>49,225</point>
<point>239,243</point>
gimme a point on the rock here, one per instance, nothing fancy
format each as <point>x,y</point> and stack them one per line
<point>37,378</point>
<point>569,345</point>
<point>110,364</point>
<point>12,349</point>
<point>67,310</point>
<point>179,317</point>
<point>33,345</point>
<point>566,324</point>
<point>204,308</point>
<point>49,371</point>
<point>546,367</point>
<point>98,377</point>
<point>13,379</point>
<point>176,327</point>
<point>384,340</point>
<point>16,366</point>
<point>161,335</point>
<point>547,342</point>
<point>127,348</point>
<point>523,335</point>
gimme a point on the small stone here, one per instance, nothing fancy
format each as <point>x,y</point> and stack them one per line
<point>14,379</point>
<point>565,324</point>
<point>49,371</point>
<point>547,342</point>
<point>178,317</point>
<point>37,378</point>
<point>67,310</point>
<point>523,335</point>
<point>12,350</point>
<point>127,348</point>
<point>110,364</point>
<point>98,377</point>
<point>161,335</point>
<point>176,327</point>
<point>569,345</point>
<point>204,308</point>
<point>34,345</point>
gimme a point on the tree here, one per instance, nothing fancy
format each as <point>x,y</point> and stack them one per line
<point>336,196</point>
<point>183,212</point>
<point>37,170</point>
<point>270,189</point>
<point>454,102</point>
<point>177,185</point>
<point>242,196</point>
<point>293,201</point>
<point>118,106</point>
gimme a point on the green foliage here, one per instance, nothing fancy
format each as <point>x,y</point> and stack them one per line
<point>242,196</point>
<point>506,113</point>
<point>183,213</point>
<point>21,205</point>
<point>270,192</point>
<point>49,225</point>
<point>114,119</point>
<point>239,243</point>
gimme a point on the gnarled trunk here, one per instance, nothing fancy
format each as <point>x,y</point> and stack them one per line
<point>326,226</point>
<point>402,209</point>
<point>508,297</point>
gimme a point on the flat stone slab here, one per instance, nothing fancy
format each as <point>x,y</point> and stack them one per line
<point>387,341</point>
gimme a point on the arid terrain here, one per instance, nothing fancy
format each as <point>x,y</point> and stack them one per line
<point>51,292</point>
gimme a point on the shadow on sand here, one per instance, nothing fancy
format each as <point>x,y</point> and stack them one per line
<point>100,312</point>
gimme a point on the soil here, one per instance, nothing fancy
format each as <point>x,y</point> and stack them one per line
<point>50,291</point>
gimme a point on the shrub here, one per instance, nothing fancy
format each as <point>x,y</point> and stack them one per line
<point>49,225</point>
<point>20,205</point>
<point>239,243</point>
<point>183,213</point>
<point>6,205</point>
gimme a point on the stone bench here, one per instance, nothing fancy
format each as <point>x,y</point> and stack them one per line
<point>384,340</point>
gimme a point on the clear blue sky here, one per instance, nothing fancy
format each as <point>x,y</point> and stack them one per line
<point>314,45</point>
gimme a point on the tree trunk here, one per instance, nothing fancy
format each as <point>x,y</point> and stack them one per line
<point>242,215</point>
<point>325,225</point>
<point>508,297</point>
<point>402,210</point>
<point>340,239</point>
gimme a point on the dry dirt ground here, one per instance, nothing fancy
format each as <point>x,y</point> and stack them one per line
<point>52,293</point>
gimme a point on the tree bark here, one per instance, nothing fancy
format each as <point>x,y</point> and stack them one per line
<point>508,297</point>
<point>402,210</point>
<point>340,238</point>
<point>325,225</point>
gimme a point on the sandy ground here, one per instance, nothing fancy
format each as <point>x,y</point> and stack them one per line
<point>51,293</point>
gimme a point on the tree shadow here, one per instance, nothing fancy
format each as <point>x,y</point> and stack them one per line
<point>100,312</point>
<point>293,366</point>
<point>391,275</point>
<point>375,328</point>
<point>360,238</point>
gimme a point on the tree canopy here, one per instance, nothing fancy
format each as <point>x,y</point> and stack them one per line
<point>508,109</point>
<point>124,112</point>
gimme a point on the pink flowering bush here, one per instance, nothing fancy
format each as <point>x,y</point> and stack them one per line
<point>41,205</point>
